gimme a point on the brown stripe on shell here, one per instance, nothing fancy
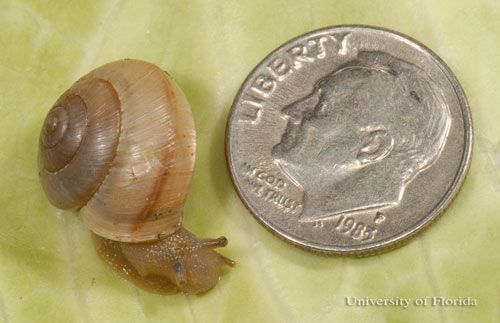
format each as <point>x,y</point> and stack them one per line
<point>161,205</point>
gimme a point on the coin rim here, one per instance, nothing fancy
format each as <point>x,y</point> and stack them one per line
<point>405,236</point>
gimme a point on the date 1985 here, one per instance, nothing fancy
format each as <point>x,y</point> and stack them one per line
<point>357,230</point>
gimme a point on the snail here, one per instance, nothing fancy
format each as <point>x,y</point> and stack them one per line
<point>118,148</point>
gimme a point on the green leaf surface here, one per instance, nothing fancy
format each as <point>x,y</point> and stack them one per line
<point>49,271</point>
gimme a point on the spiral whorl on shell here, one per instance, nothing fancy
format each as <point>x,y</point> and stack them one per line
<point>119,147</point>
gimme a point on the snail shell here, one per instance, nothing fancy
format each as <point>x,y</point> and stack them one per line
<point>119,148</point>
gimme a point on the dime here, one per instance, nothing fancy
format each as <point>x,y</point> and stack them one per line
<point>349,139</point>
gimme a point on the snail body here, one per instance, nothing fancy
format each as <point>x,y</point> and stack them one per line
<point>119,148</point>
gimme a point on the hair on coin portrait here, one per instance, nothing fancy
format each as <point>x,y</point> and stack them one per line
<point>363,133</point>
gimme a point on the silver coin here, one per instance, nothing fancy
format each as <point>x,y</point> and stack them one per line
<point>349,139</point>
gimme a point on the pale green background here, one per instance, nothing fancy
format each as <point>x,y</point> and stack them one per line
<point>48,269</point>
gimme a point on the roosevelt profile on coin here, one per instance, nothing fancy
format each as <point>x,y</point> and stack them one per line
<point>363,133</point>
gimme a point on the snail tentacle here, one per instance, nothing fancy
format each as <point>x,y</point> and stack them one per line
<point>227,261</point>
<point>214,243</point>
